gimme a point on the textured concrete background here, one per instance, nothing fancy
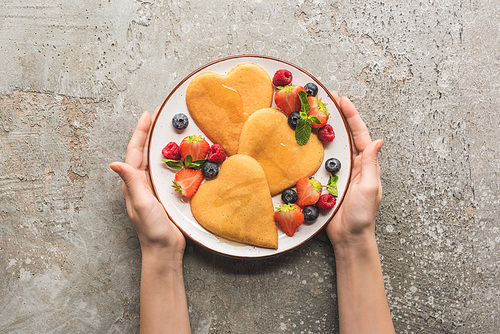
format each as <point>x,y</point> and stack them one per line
<point>76,75</point>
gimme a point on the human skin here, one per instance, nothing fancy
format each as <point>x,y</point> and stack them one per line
<point>362,302</point>
<point>163,297</point>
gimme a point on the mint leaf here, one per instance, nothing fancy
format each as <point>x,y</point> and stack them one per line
<point>174,164</point>
<point>333,190</point>
<point>333,179</point>
<point>303,131</point>
<point>304,103</point>
<point>331,187</point>
<point>197,164</point>
<point>304,127</point>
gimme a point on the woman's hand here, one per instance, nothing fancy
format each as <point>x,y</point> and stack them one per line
<point>362,301</point>
<point>156,232</point>
<point>163,298</point>
<point>354,223</point>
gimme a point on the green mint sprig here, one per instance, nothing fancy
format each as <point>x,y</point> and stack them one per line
<point>304,127</point>
<point>188,163</point>
<point>196,164</point>
<point>331,186</point>
<point>174,164</point>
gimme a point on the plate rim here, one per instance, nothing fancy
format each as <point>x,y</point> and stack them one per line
<point>346,126</point>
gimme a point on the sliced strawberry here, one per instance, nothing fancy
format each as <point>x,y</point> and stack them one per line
<point>287,98</point>
<point>318,109</point>
<point>195,146</point>
<point>289,217</point>
<point>308,191</point>
<point>187,181</point>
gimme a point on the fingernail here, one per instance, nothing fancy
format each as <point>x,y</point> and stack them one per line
<point>380,143</point>
<point>115,168</point>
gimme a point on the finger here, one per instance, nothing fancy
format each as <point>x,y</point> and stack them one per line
<point>136,145</point>
<point>356,167</point>
<point>336,99</point>
<point>115,166</point>
<point>131,179</point>
<point>359,130</point>
<point>145,161</point>
<point>335,96</point>
<point>370,172</point>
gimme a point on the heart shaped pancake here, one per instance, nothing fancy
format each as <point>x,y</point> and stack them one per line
<point>268,138</point>
<point>220,104</point>
<point>237,204</point>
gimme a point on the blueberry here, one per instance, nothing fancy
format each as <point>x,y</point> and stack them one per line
<point>332,165</point>
<point>293,118</point>
<point>210,170</point>
<point>289,195</point>
<point>180,121</point>
<point>310,213</point>
<point>311,89</point>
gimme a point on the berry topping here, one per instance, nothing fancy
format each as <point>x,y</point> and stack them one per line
<point>293,119</point>
<point>282,78</point>
<point>171,151</point>
<point>195,146</point>
<point>311,89</point>
<point>289,195</point>
<point>332,165</point>
<point>318,109</point>
<point>289,217</point>
<point>210,170</point>
<point>308,191</point>
<point>180,121</point>
<point>216,154</point>
<point>326,134</point>
<point>310,213</point>
<point>187,181</point>
<point>287,99</point>
<point>326,202</point>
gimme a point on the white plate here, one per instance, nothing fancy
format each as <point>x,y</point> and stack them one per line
<point>178,208</point>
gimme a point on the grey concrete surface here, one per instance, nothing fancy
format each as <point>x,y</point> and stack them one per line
<point>75,76</point>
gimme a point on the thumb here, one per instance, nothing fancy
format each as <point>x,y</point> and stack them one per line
<point>125,171</point>
<point>370,170</point>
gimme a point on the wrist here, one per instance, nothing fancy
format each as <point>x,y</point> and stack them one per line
<point>161,258</point>
<point>356,248</point>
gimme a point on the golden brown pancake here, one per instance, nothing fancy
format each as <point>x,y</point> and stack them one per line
<point>220,104</point>
<point>237,205</point>
<point>268,138</point>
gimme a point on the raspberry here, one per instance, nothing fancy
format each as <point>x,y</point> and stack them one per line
<point>216,154</point>
<point>171,151</point>
<point>326,202</point>
<point>326,134</point>
<point>282,78</point>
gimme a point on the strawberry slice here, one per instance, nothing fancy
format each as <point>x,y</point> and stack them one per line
<point>187,181</point>
<point>318,109</point>
<point>308,191</point>
<point>287,98</point>
<point>195,146</point>
<point>289,217</point>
